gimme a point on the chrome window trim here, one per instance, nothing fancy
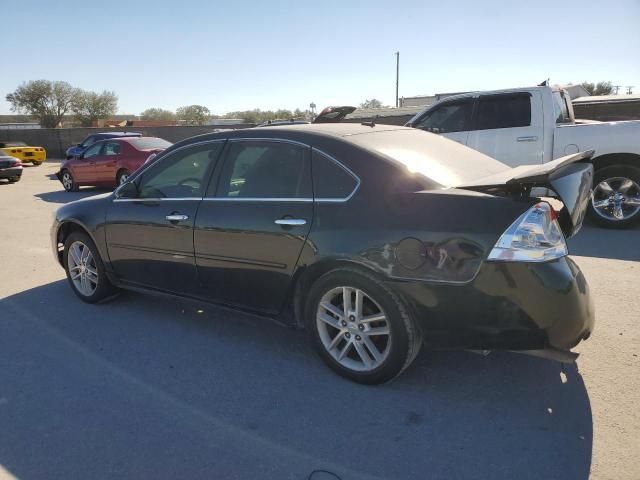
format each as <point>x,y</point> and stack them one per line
<point>263,139</point>
<point>158,158</point>
<point>257,199</point>
<point>162,199</point>
<point>345,168</point>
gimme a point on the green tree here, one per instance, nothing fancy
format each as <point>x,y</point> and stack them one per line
<point>600,88</point>
<point>373,103</point>
<point>47,100</point>
<point>193,114</point>
<point>158,114</point>
<point>91,106</point>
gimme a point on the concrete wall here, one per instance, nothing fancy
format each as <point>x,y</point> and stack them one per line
<point>57,140</point>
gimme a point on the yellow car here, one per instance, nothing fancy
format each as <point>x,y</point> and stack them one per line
<point>24,153</point>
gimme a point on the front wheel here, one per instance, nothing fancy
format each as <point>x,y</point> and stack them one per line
<point>360,328</point>
<point>85,270</point>
<point>68,182</point>
<point>615,202</point>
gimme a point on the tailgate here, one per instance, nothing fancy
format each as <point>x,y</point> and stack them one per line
<point>570,178</point>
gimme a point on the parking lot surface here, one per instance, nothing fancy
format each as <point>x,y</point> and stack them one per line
<point>149,387</point>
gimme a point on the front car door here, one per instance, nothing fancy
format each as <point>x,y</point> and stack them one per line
<point>507,128</point>
<point>253,223</point>
<point>150,236</point>
<point>450,119</point>
<point>106,164</point>
<point>84,168</point>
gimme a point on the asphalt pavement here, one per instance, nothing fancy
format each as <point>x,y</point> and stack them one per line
<point>150,387</point>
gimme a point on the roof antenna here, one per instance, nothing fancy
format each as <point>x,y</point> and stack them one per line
<point>371,123</point>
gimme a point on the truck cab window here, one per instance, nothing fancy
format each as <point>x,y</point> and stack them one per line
<point>447,118</point>
<point>503,111</point>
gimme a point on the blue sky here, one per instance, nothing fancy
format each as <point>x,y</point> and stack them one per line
<point>237,55</point>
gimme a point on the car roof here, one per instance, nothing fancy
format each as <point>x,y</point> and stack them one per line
<point>127,139</point>
<point>117,134</point>
<point>336,129</point>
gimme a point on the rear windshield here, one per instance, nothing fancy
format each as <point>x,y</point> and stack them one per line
<point>150,143</point>
<point>441,160</point>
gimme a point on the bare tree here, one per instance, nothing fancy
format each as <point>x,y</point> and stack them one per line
<point>91,106</point>
<point>600,88</point>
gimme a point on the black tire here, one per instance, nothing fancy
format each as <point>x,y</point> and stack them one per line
<point>405,339</point>
<point>69,187</point>
<point>36,164</point>
<point>614,171</point>
<point>14,179</point>
<point>121,173</point>
<point>104,288</point>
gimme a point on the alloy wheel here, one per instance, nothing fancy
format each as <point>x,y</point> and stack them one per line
<point>123,178</point>
<point>353,329</point>
<point>67,181</point>
<point>616,198</point>
<point>82,268</point>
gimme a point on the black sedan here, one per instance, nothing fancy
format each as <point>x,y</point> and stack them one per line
<point>376,239</point>
<point>10,168</point>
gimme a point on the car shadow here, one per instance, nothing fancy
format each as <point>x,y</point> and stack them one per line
<point>592,241</point>
<point>62,196</point>
<point>169,388</point>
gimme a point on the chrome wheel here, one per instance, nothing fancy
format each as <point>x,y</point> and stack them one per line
<point>616,198</point>
<point>353,329</point>
<point>67,181</point>
<point>82,268</point>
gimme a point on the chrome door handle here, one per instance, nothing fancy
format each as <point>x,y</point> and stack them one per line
<point>291,221</point>
<point>532,138</point>
<point>175,217</point>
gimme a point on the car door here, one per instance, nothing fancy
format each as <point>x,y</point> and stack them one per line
<point>150,235</point>
<point>507,128</point>
<point>106,163</point>
<point>84,168</point>
<point>450,119</point>
<point>253,223</point>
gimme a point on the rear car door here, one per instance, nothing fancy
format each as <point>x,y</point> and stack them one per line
<point>84,168</point>
<point>253,223</point>
<point>150,237</point>
<point>509,128</point>
<point>451,119</point>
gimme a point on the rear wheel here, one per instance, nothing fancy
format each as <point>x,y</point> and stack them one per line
<point>615,202</point>
<point>14,179</point>
<point>68,182</point>
<point>122,177</point>
<point>85,270</point>
<point>360,328</point>
<point>36,164</point>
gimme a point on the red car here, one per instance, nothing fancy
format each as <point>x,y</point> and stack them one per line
<point>108,163</point>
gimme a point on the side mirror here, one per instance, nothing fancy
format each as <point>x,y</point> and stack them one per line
<point>127,190</point>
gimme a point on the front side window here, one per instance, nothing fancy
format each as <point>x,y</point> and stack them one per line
<point>112,148</point>
<point>330,180</point>
<point>265,169</point>
<point>181,174</point>
<point>503,111</point>
<point>93,151</point>
<point>447,118</point>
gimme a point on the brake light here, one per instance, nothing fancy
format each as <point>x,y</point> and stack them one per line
<point>534,237</point>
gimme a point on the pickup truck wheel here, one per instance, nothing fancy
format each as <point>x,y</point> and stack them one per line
<point>615,202</point>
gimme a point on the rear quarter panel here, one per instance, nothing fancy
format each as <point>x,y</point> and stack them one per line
<point>604,138</point>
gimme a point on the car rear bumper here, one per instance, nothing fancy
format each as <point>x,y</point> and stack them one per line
<point>542,308</point>
<point>12,172</point>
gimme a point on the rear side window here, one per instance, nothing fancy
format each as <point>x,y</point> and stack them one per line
<point>265,169</point>
<point>560,108</point>
<point>111,148</point>
<point>503,111</point>
<point>447,118</point>
<point>331,181</point>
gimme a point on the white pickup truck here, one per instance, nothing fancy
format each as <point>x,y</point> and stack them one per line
<point>534,125</point>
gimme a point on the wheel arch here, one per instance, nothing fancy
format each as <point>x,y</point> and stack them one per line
<point>611,159</point>
<point>65,229</point>
<point>308,275</point>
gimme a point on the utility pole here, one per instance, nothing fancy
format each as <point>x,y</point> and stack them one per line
<point>629,89</point>
<point>397,75</point>
<point>616,88</point>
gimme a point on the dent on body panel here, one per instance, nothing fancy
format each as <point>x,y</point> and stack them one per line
<point>454,259</point>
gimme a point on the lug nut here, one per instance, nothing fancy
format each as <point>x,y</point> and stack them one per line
<point>358,337</point>
<point>360,327</point>
<point>352,318</point>
<point>343,323</point>
<point>348,335</point>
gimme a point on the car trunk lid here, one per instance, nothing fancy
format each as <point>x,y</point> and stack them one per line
<point>570,178</point>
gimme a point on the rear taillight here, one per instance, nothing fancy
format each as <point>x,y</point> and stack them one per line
<point>17,163</point>
<point>534,237</point>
